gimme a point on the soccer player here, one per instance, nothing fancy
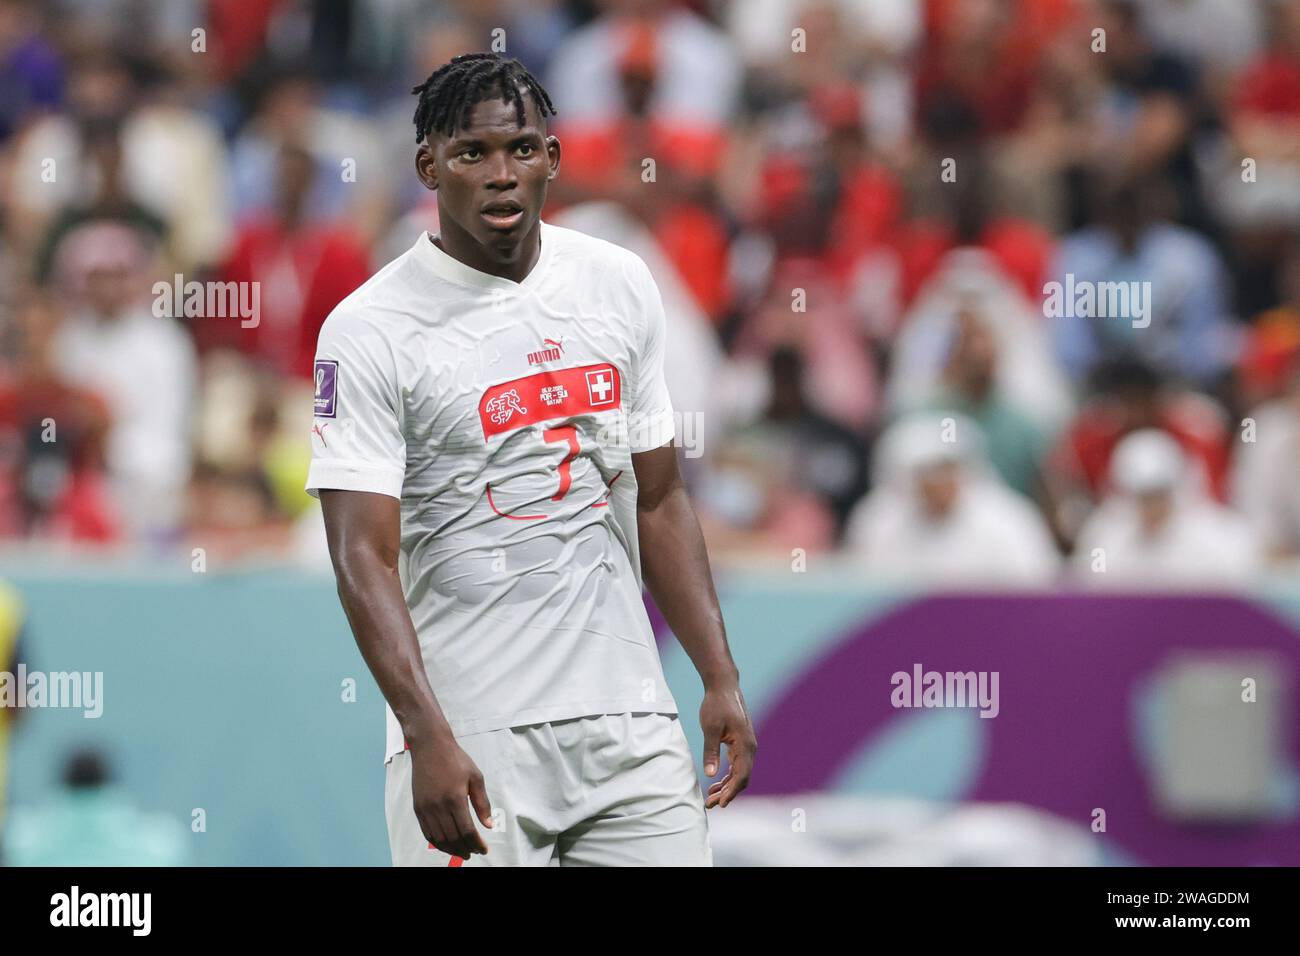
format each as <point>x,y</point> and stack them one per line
<point>492,451</point>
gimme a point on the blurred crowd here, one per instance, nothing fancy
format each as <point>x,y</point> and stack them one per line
<point>854,209</point>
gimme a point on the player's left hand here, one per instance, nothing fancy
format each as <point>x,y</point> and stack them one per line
<point>725,720</point>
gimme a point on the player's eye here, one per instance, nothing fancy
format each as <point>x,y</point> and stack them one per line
<point>471,154</point>
<point>527,149</point>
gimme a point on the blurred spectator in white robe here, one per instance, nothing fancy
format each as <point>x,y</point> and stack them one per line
<point>1158,527</point>
<point>939,515</point>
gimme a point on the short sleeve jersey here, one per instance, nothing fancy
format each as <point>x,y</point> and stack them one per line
<point>503,415</point>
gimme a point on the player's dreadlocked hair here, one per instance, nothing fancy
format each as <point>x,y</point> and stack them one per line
<point>452,90</point>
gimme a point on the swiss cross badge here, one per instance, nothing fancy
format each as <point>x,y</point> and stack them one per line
<point>600,387</point>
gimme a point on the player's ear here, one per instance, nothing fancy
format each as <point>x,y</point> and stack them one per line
<point>425,166</point>
<point>553,154</point>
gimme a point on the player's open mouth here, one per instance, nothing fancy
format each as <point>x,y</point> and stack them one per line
<point>503,215</point>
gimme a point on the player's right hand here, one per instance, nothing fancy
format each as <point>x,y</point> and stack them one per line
<point>442,777</point>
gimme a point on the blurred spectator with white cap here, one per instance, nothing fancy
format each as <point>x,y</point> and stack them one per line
<point>1158,527</point>
<point>938,515</point>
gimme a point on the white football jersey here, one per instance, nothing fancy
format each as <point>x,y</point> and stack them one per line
<point>503,415</point>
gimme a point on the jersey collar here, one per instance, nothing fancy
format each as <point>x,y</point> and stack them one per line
<point>453,270</point>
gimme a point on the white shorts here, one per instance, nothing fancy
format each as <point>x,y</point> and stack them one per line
<point>606,790</point>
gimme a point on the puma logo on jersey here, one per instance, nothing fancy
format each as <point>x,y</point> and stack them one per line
<point>503,407</point>
<point>552,351</point>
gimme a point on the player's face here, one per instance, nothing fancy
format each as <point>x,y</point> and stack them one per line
<point>491,177</point>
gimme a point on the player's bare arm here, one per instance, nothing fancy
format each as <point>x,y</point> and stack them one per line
<point>363,533</point>
<point>675,566</point>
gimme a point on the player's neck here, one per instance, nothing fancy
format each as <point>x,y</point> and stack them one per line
<point>514,263</point>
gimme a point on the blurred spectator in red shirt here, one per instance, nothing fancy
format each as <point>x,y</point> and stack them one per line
<point>606,152</point>
<point>52,438</point>
<point>240,30</point>
<point>971,210</point>
<point>982,53</point>
<point>304,269</point>
<point>1269,89</point>
<point>1271,352</point>
<point>830,197</point>
<point>1262,117</point>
